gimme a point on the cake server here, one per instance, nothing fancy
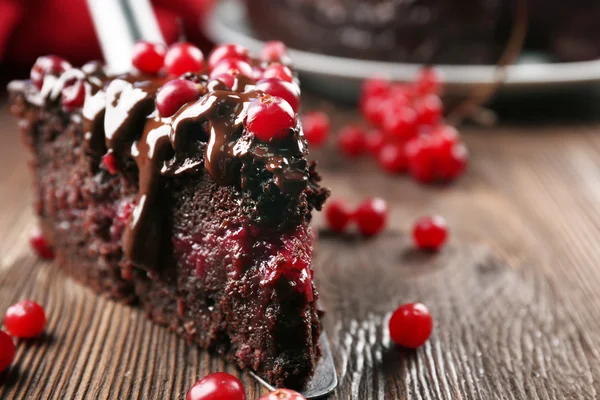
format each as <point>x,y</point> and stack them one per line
<point>119,24</point>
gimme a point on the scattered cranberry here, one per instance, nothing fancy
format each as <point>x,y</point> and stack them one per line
<point>270,117</point>
<point>183,57</point>
<point>110,162</point>
<point>279,71</point>
<point>232,66</point>
<point>392,158</point>
<point>73,96</point>
<point>351,141</point>
<point>26,319</point>
<point>148,57</point>
<point>375,87</point>
<point>429,110</point>
<point>411,325</point>
<point>338,215</point>
<point>371,216</point>
<point>316,127</point>
<point>400,123</point>
<point>374,142</point>
<point>430,233</point>
<point>428,81</point>
<point>174,94</point>
<point>283,394</point>
<point>7,351</point>
<point>47,65</point>
<point>290,92</point>
<point>228,51</point>
<point>40,245</point>
<point>274,51</point>
<point>217,386</point>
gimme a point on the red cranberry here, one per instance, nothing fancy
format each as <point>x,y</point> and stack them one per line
<point>411,325</point>
<point>270,117</point>
<point>7,351</point>
<point>110,162</point>
<point>371,216</point>
<point>400,123</point>
<point>402,93</point>
<point>148,57</point>
<point>40,245</point>
<point>233,67</point>
<point>26,319</point>
<point>47,65</point>
<point>392,158</point>
<point>274,51</point>
<point>279,71</point>
<point>290,92</point>
<point>228,51</point>
<point>73,96</point>
<point>373,109</point>
<point>226,78</point>
<point>217,386</point>
<point>420,155</point>
<point>316,127</point>
<point>374,142</point>
<point>374,87</point>
<point>351,141</point>
<point>430,233</point>
<point>338,215</point>
<point>174,94</point>
<point>283,394</point>
<point>453,163</point>
<point>429,81</point>
<point>183,57</point>
<point>429,110</point>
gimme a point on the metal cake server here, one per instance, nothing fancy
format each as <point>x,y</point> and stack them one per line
<point>119,24</point>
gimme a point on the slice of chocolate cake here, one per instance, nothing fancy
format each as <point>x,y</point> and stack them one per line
<point>189,194</point>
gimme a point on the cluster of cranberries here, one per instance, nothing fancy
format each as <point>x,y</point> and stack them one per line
<point>223,386</point>
<point>370,216</point>
<point>23,320</point>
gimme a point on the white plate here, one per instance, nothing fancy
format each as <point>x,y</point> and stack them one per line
<point>340,77</point>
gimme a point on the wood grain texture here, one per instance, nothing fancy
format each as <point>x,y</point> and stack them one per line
<point>515,295</point>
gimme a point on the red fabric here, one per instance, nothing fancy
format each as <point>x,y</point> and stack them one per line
<point>30,28</point>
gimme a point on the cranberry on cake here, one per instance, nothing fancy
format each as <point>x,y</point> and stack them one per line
<point>191,194</point>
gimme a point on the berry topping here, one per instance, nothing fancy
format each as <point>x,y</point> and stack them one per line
<point>226,78</point>
<point>7,351</point>
<point>110,162</point>
<point>283,394</point>
<point>316,127</point>
<point>47,65</point>
<point>392,158</point>
<point>338,215</point>
<point>232,66</point>
<point>174,94</point>
<point>374,142</point>
<point>26,319</point>
<point>290,92</point>
<point>429,110</point>
<point>270,117</point>
<point>279,71</point>
<point>73,96</point>
<point>371,216</point>
<point>429,81</point>
<point>351,141</point>
<point>274,51</point>
<point>430,233</point>
<point>183,57</point>
<point>217,386</point>
<point>228,51</point>
<point>40,245</point>
<point>411,325</point>
<point>148,57</point>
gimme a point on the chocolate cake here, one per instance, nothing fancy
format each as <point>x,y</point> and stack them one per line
<point>191,215</point>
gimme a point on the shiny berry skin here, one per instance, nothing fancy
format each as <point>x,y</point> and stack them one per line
<point>279,71</point>
<point>73,96</point>
<point>110,163</point>
<point>392,158</point>
<point>371,216</point>
<point>232,66</point>
<point>228,51</point>
<point>283,394</point>
<point>316,127</point>
<point>373,109</point>
<point>453,163</point>
<point>40,245</point>
<point>420,154</point>
<point>338,215</point>
<point>183,57</point>
<point>174,94</point>
<point>148,57</point>
<point>374,87</point>
<point>429,110</point>
<point>290,92</point>
<point>217,386</point>
<point>270,117</point>
<point>26,319</point>
<point>400,123</point>
<point>274,51</point>
<point>411,325</point>
<point>351,141</point>
<point>7,351</point>
<point>429,81</point>
<point>226,78</point>
<point>47,65</point>
<point>374,142</point>
<point>430,233</point>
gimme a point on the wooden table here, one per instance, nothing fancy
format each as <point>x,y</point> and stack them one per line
<point>515,295</point>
